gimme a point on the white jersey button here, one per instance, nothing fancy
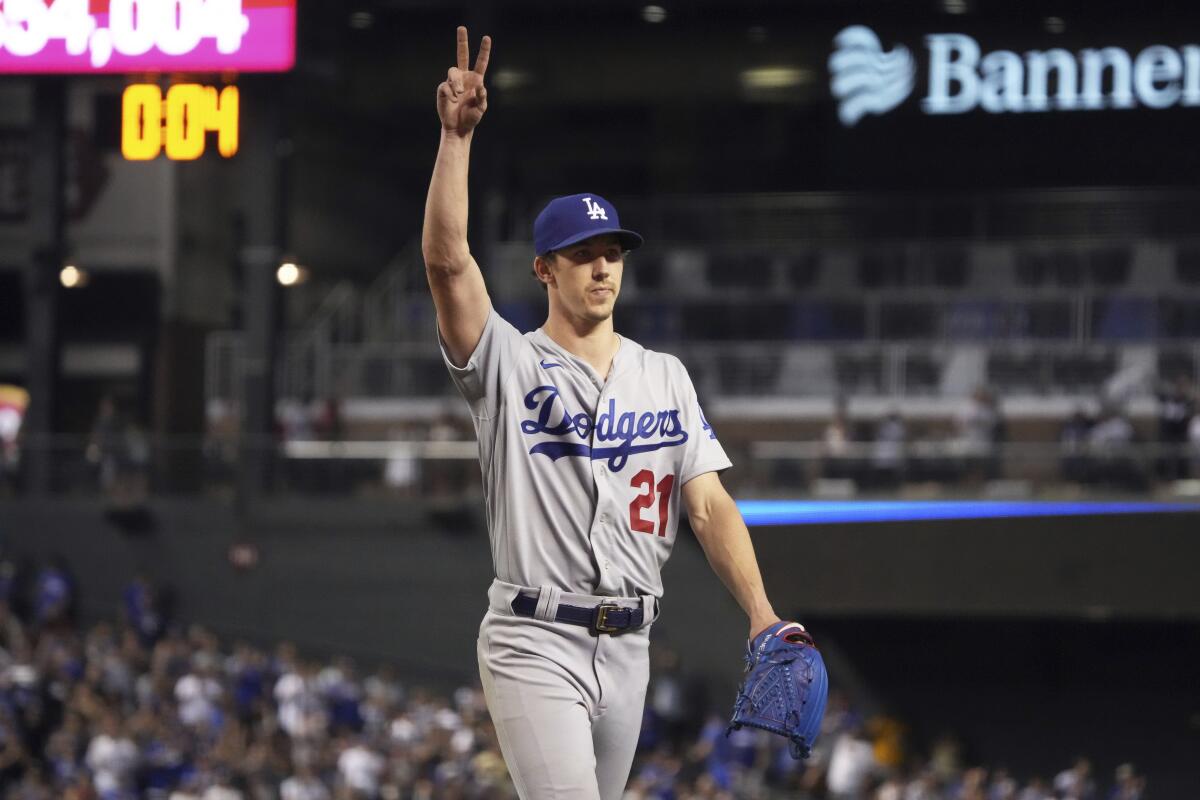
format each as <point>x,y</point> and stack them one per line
<point>604,518</point>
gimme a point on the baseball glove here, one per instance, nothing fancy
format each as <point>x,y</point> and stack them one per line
<point>784,688</point>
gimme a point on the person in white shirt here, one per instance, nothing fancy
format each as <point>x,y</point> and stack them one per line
<point>1194,444</point>
<point>851,764</point>
<point>112,757</point>
<point>361,768</point>
<point>222,789</point>
<point>304,785</point>
<point>302,711</point>
<point>198,694</point>
<point>1076,783</point>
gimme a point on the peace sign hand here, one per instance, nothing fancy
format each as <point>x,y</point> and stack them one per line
<point>461,98</point>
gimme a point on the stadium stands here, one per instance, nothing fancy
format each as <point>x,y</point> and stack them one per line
<point>144,707</point>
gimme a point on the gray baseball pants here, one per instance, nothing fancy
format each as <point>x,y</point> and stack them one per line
<point>567,704</point>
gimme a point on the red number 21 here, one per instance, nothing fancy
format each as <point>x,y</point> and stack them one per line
<point>645,480</point>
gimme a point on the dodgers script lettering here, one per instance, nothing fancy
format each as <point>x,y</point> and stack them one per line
<point>633,432</point>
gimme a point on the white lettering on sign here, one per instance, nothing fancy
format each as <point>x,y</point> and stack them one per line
<point>865,79</point>
<point>175,27</point>
<point>962,78</point>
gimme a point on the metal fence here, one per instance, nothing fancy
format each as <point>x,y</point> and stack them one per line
<point>136,465</point>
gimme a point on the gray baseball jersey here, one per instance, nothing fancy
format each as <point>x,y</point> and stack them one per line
<point>582,474</point>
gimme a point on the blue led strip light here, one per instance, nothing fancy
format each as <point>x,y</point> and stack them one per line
<point>807,512</point>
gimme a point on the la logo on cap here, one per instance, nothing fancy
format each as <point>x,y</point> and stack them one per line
<point>594,210</point>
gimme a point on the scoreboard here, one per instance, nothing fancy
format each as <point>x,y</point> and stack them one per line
<point>120,36</point>
<point>148,37</point>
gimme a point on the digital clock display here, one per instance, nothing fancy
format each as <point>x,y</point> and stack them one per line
<point>107,36</point>
<point>179,123</point>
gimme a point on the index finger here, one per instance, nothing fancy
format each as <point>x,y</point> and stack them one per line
<point>464,52</point>
<point>485,52</point>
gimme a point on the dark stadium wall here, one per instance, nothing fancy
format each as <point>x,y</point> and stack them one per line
<point>1092,567</point>
<point>369,579</point>
<point>1033,695</point>
<point>375,580</point>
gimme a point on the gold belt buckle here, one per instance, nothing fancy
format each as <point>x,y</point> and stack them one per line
<point>600,618</point>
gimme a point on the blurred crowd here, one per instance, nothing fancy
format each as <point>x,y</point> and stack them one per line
<point>853,760</point>
<point>142,707</point>
<point>1096,446</point>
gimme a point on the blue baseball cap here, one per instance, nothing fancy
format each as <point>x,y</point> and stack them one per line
<point>567,220</point>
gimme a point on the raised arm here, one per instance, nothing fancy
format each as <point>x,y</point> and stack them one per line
<point>457,284</point>
<point>726,541</point>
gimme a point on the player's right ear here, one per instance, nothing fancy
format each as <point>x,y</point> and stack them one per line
<point>543,271</point>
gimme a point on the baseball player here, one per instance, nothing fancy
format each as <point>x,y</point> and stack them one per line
<point>591,448</point>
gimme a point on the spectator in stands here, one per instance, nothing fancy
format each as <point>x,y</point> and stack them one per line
<point>836,445</point>
<point>340,688</point>
<point>223,787</point>
<point>401,468</point>
<point>112,757</point>
<point>199,694</point>
<point>33,786</point>
<point>303,785</point>
<point>667,698</point>
<point>981,434</point>
<point>1074,462</point>
<point>141,611</point>
<point>104,443</point>
<point>1076,782</point>
<point>1194,442</point>
<point>972,785</point>
<point>296,420</point>
<point>1128,785</point>
<point>220,447</point>
<point>924,786</point>
<point>360,768</point>
<point>852,765</point>
<point>302,713</point>
<point>887,738</point>
<point>119,451</point>
<point>329,424</point>
<point>13,402</point>
<point>10,575</point>
<point>445,478</point>
<point>1111,452</point>
<point>383,696</point>
<point>1002,786</point>
<point>1035,790</point>
<point>888,450</point>
<point>54,594</point>
<point>1176,407</point>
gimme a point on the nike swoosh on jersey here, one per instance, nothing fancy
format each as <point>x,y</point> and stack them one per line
<point>548,365</point>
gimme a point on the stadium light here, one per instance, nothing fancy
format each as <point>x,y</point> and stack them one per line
<point>654,14</point>
<point>291,274</point>
<point>72,277</point>
<point>774,77</point>
<point>509,79</point>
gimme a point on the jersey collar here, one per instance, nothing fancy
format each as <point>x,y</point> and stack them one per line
<point>621,359</point>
